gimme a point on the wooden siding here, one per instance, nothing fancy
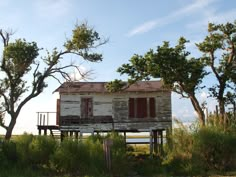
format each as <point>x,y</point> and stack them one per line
<point>115,110</point>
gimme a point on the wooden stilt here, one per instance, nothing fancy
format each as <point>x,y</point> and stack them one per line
<point>155,141</point>
<point>62,135</point>
<point>76,135</point>
<point>151,143</point>
<point>160,142</point>
<point>71,133</point>
<point>125,138</point>
<point>39,131</point>
<point>45,131</point>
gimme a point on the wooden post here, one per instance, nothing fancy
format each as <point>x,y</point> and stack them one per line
<point>47,118</point>
<point>71,133</point>
<point>76,135</point>
<point>39,131</point>
<point>107,143</point>
<point>37,118</point>
<point>40,119</point>
<point>160,149</point>
<point>155,141</point>
<point>161,132</point>
<point>62,136</point>
<point>45,131</point>
<point>151,143</point>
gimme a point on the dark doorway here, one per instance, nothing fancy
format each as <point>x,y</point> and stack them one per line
<point>86,107</point>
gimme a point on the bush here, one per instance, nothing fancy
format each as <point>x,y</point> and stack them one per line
<point>41,149</point>
<point>118,154</point>
<point>23,148</point>
<point>215,149</point>
<point>8,154</point>
<point>71,156</point>
<point>178,151</point>
<point>96,155</point>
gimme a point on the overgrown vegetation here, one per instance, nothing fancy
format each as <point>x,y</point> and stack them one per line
<point>49,157</point>
<point>189,152</point>
<point>202,151</point>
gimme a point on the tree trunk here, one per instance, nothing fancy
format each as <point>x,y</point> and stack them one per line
<point>221,102</point>
<point>198,109</point>
<point>10,128</point>
<point>222,110</point>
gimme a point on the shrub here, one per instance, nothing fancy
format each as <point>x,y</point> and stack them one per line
<point>96,155</point>
<point>118,154</point>
<point>215,149</point>
<point>71,156</point>
<point>178,151</point>
<point>41,149</point>
<point>8,154</point>
<point>23,148</point>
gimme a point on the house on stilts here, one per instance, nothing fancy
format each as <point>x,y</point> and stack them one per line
<point>88,107</point>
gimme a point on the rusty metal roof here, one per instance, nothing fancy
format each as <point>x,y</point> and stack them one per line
<point>99,87</point>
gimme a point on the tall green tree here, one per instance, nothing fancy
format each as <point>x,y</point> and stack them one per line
<point>20,61</point>
<point>179,72</point>
<point>219,54</point>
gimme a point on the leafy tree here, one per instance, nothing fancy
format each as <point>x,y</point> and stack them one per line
<point>219,54</point>
<point>179,71</point>
<point>20,60</point>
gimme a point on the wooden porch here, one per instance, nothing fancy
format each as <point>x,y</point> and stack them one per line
<point>69,127</point>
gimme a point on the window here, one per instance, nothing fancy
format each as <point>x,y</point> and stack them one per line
<point>86,107</point>
<point>142,107</point>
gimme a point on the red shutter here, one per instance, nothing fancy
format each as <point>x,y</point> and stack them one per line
<point>152,107</point>
<point>58,112</point>
<point>141,107</point>
<point>131,108</point>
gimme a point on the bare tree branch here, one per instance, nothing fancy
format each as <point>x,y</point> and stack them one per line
<point>5,35</point>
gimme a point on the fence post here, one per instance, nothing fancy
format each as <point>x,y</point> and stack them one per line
<point>107,143</point>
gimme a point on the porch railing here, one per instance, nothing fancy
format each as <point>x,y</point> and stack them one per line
<point>46,118</point>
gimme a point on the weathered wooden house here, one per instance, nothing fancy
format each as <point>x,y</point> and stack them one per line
<point>88,107</point>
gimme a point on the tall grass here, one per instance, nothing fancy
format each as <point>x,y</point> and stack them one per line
<point>203,151</point>
<point>195,152</point>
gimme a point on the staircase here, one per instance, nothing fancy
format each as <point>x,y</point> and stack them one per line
<point>55,133</point>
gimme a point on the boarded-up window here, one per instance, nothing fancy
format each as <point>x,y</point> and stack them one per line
<point>142,107</point>
<point>86,107</point>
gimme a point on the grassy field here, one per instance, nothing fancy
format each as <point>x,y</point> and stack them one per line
<point>40,156</point>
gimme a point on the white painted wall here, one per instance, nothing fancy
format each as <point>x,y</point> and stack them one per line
<point>102,105</point>
<point>70,105</point>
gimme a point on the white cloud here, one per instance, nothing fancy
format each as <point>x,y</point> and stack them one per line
<point>228,16</point>
<point>177,15</point>
<point>147,26</point>
<point>203,96</point>
<point>51,9</point>
<point>81,74</point>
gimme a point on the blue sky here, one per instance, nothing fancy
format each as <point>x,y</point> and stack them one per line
<point>133,27</point>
